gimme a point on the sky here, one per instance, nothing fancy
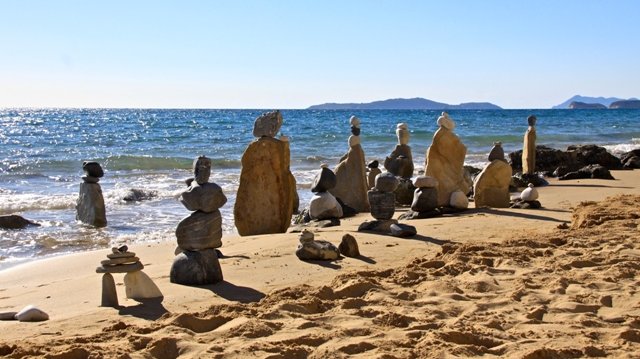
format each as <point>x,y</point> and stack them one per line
<point>294,54</point>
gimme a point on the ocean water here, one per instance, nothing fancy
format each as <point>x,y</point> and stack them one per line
<point>42,151</point>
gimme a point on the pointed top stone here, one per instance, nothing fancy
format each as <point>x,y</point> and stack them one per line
<point>446,122</point>
<point>354,121</point>
<point>268,124</point>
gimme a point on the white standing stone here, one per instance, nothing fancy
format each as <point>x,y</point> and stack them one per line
<point>138,285</point>
<point>31,313</point>
<point>529,193</point>
<point>324,205</point>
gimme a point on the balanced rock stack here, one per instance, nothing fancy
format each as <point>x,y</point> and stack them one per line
<point>491,186</point>
<point>351,186</point>
<point>199,234</point>
<point>382,198</point>
<point>137,284</point>
<point>373,172</point>
<point>310,249</point>
<point>267,190</point>
<point>425,199</point>
<point>400,161</point>
<point>445,162</point>
<point>529,148</point>
<point>90,206</point>
<point>323,204</point>
<point>528,199</point>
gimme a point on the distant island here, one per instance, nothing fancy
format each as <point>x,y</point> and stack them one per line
<point>417,103</point>
<point>585,102</point>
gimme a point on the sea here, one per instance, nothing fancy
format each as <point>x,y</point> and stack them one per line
<point>152,150</point>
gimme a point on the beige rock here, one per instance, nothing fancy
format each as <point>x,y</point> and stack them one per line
<point>529,151</point>
<point>351,186</point>
<point>458,200</point>
<point>445,161</point>
<point>138,285</point>
<point>90,207</point>
<point>200,230</point>
<point>371,177</point>
<point>491,186</point>
<point>117,261</point>
<point>264,202</point>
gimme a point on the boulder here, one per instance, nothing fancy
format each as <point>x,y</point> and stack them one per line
<point>386,182</point>
<point>547,159</point>
<point>458,200</point>
<point>404,193</point>
<point>200,230</point>
<point>491,186</point>
<point>206,197</point>
<point>590,171</point>
<point>90,206</point>
<point>351,186</point>
<point>324,181</point>
<point>31,313</point>
<point>264,202</point>
<point>631,159</point>
<point>574,158</point>
<point>383,204</point>
<point>268,124</point>
<point>317,250</point>
<point>137,195</point>
<point>323,205</point>
<point>425,199</point>
<point>13,221</point>
<point>349,246</point>
<point>196,268</point>
<point>382,226</point>
<point>584,155</point>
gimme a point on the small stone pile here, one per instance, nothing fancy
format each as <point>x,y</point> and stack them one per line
<point>383,200</point>
<point>425,199</point>
<point>528,199</point>
<point>323,204</point>
<point>491,186</point>
<point>199,234</point>
<point>400,163</point>
<point>311,249</point>
<point>137,284</point>
<point>90,206</point>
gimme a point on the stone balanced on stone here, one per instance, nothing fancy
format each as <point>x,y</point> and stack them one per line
<point>425,199</point>
<point>137,284</point>
<point>529,148</point>
<point>491,186</point>
<point>351,186</point>
<point>199,234</point>
<point>373,172</point>
<point>90,206</point>
<point>400,163</point>
<point>267,190</point>
<point>310,249</point>
<point>528,199</point>
<point>323,204</point>
<point>445,162</point>
<point>382,200</point>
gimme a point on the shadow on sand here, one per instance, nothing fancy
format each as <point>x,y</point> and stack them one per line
<point>150,309</point>
<point>232,292</point>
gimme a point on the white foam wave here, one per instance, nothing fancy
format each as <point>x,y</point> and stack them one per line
<point>12,203</point>
<point>621,148</point>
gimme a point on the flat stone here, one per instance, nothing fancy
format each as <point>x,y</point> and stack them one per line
<point>138,285</point>
<point>207,197</point>
<point>383,226</point>
<point>268,124</point>
<point>386,182</point>
<point>349,246</point>
<point>383,204</point>
<point>351,186</point>
<point>409,215</point>
<point>196,268</point>
<point>31,313</point>
<point>402,230</point>
<point>8,315</point>
<point>317,250</point>
<point>324,205</point>
<point>118,261</point>
<point>425,182</point>
<point>200,230</point>
<point>120,255</point>
<point>92,168</point>
<point>124,268</point>
<point>324,181</point>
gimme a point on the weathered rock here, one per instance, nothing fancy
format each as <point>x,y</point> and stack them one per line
<point>138,285</point>
<point>402,132</point>
<point>496,153</point>
<point>386,182</point>
<point>382,226</point>
<point>574,158</point>
<point>90,179</point>
<point>13,221</point>
<point>371,177</point>
<point>31,313</point>
<point>323,205</point>
<point>109,294</point>
<point>351,186</point>
<point>264,201</point>
<point>196,268</point>
<point>491,186</point>
<point>584,155</point>
<point>317,250</point>
<point>206,197</point>
<point>411,214</point>
<point>201,170</point>
<point>400,162</point>
<point>445,161</point>
<point>518,203</point>
<point>425,182</point>
<point>529,194</point>
<point>529,151</point>
<point>123,268</point>
<point>590,171</point>
<point>631,159</point>
<point>425,199</point>
<point>404,193</point>
<point>92,169</point>
<point>118,261</point>
<point>90,206</point>
<point>268,124</point>
<point>459,200</point>
<point>383,204</point>
<point>402,230</point>
<point>137,195</point>
<point>324,181</point>
<point>349,246</point>
<point>200,230</point>
<point>520,180</point>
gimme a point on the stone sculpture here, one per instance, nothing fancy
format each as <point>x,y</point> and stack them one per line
<point>491,186</point>
<point>381,198</point>
<point>373,172</point>
<point>267,190</point>
<point>529,148</point>
<point>400,161</point>
<point>323,204</point>
<point>310,249</point>
<point>90,206</point>
<point>528,199</point>
<point>199,234</point>
<point>445,161</point>
<point>351,186</point>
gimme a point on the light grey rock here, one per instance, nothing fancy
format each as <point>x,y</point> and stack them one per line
<point>386,182</point>
<point>354,121</point>
<point>200,230</point>
<point>268,124</point>
<point>317,250</point>
<point>90,206</point>
<point>196,268</point>
<point>202,170</point>
<point>349,246</point>
<point>123,268</point>
<point>383,204</point>
<point>138,285</point>
<point>31,313</point>
<point>324,205</point>
<point>530,193</point>
<point>109,294</point>
<point>459,200</point>
<point>402,230</point>
<point>425,199</point>
<point>207,197</point>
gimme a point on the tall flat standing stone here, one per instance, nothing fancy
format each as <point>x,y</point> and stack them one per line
<point>351,180</point>
<point>90,206</point>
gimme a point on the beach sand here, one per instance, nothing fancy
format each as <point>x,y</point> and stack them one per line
<point>486,282</point>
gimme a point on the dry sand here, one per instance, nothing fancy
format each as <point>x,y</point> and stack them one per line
<point>487,282</point>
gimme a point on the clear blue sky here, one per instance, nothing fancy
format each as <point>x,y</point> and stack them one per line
<point>293,54</point>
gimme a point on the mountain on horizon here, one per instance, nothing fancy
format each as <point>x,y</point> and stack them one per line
<point>416,103</point>
<point>607,101</point>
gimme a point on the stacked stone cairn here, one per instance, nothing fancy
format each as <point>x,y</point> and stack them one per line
<point>528,199</point>
<point>323,204</point>
<point>351,187</point>
<point>383,200</point>
<point>373,172</point>
<point>311,249</point>
<point>267,190</point>
<point>90,206</point>
<point>425,199</point>
<point>491,186</point>
<point>445,162</point>
<point>400,163</point>
<point>137,284</point>
<point>199,234</point>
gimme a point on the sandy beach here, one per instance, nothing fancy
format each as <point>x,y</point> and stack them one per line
<point>486,282</point>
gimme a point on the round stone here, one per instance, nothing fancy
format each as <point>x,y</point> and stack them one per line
<point>446,122</point>
<point>92,168</point>
<point>306,236</point>
<point>529,194</point>
<point>354,121</point>
<point>532,120</point>
<point>386,182</point>
<point>459,200</point>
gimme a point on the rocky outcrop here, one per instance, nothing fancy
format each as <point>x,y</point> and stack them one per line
<point>590,171</point>
<point>13,221</point>
<point>626,104</point>
<point>631,159</point>
<point>576,105</point>
<point>575,157</point>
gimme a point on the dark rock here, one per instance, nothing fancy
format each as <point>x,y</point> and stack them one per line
<point>207,197</point>
<point>574,158</point>
<point>592,154</point>
<point>349,247</point>
<point>522,180</point>
<point>625,104</point>
<point>355,131</point>
<point>317,250</point>
<point>518,203</point>
<point>383,204</point>
<point>404,192</point>
<point>122,268</point>
<point>408,215</point>
<point>547,159</point>
<point>425,199</point>
<point>400,161</point>
<point>137,195</point>
<point>201,170</point>
<point>631,159</point>
<point>13,221</point>
<point>196,268</point>
<point>92,169</point>
<point>531,120</point>
<point>377,226</point>
<point>325,223</point>
<point>347,211</point>
<point>386,182</point>
<point>591,171</point>
<point>560,171</point>
<point>90,179</point>
<point>403,230</point>
<point>497,152</point>
<point>324,181</point>
<point>373,164</point>
<point>200,230</point>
